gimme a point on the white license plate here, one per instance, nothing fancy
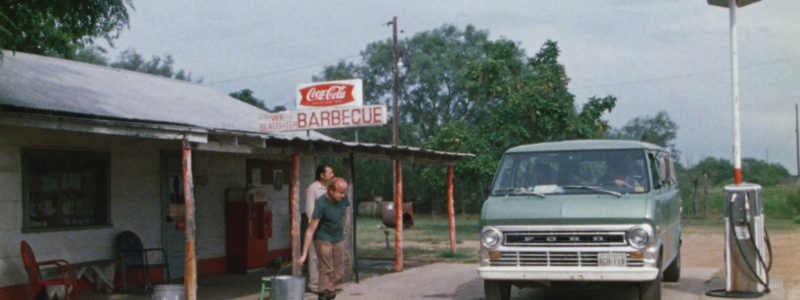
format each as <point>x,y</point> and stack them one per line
<point>611,259</point>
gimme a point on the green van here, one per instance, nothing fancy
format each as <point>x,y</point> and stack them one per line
<point>579,213</point>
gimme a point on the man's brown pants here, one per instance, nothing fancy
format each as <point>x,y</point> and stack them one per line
<point>330,256</point>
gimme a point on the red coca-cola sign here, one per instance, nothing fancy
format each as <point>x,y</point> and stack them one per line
<point>329,94</point>
<point>338,93</point>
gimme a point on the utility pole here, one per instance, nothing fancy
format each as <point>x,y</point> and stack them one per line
<point>394,75</point>
<point>797,142</point>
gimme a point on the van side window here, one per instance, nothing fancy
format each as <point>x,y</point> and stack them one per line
<point>655,171</point>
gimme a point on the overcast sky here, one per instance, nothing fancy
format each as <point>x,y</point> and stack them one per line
<point>652,55</point>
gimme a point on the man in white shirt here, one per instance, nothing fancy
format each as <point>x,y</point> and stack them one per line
<point>323,174</point>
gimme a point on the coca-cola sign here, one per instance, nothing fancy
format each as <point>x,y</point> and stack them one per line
<point>340,93</point>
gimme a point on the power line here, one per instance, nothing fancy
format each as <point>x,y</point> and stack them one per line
<point>275,72</point>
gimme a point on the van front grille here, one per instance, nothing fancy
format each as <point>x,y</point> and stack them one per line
<point>554,259</point>
<point>564,239</point>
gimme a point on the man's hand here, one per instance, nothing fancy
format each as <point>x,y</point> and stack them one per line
<point>301,260</point>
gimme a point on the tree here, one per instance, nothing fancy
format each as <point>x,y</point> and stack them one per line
<point>465,93</point>
<point>57,27</point>
<point>246,95</point>
<point>130,60</point>
<point>525,101</point>
<point>762,172</point>
<point>658,129</point>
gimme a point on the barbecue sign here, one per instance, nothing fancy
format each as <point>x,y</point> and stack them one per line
<point>323,105</point>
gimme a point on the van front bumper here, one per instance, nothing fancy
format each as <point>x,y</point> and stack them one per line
<point>569,273</point>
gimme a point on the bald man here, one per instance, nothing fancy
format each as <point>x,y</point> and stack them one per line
<point>327,232</point>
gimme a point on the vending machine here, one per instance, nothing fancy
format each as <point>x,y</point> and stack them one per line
<point>249,227</point>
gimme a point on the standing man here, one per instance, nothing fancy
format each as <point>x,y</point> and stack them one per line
<point>324,173</point>
<point>327,232</point>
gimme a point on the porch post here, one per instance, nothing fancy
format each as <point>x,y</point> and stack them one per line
<point>294,213</point>
<point>451,209</point>
<point>190,276</point>
<point>398,208</point>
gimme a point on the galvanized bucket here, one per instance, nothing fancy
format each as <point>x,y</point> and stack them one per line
<point>168,292</point>
<point>288,287</point>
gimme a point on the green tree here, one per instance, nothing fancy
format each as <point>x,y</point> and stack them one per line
<point>526,101</point>
<point>92,55</point>
<point>762,172</point>
<point>57,27</point>
<point>246,95</point>
<point>719,170</point>
<point>658,129</point>
<point>130,60</point>
<point>465,93</point>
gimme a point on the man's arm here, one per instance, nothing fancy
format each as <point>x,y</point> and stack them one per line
<point>312,227</point>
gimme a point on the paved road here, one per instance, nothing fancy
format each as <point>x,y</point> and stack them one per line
<point>461,281</point>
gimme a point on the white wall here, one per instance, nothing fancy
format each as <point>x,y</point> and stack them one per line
<point>135,197</point>
<point>134,200</point>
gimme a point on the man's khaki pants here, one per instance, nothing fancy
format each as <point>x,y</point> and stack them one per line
<point>313,269</point>
<point>330,256</point>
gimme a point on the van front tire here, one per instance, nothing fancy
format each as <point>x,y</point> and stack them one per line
<point>497,290</point>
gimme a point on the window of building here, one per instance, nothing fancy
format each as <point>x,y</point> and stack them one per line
<point>64,190</point>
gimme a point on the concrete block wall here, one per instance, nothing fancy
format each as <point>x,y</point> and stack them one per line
<point>134,203</point>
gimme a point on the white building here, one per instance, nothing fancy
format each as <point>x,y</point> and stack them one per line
<point>87,152</point>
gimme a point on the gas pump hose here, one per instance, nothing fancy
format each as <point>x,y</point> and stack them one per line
<point>765,282</point>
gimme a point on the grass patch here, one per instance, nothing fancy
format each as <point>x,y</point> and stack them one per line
<point>429,239</point>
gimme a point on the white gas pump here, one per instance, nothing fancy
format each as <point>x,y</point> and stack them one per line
<point>746,235</point>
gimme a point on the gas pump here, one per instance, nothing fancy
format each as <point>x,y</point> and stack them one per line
<point>745,237</point>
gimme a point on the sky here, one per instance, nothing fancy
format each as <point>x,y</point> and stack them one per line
<point>652,55</point>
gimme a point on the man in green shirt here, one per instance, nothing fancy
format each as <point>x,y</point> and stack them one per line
<point>327,231</point>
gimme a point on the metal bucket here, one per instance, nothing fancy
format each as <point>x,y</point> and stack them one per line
<point>168,292</point>
<point>287,287</point>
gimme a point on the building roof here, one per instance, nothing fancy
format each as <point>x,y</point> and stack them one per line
<point>49,92</point>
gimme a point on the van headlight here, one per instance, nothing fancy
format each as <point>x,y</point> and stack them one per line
<point>638,237</point>
<point>491,238</point>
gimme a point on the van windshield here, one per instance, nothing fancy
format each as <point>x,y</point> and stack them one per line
<point>622,171</point>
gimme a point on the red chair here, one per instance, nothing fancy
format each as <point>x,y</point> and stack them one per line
<point>67,279</point>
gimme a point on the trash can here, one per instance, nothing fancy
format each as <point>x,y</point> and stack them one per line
<point>287,287</point>
<point>168,292</point>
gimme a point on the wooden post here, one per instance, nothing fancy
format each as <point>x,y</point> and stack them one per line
<point>451,209</point>
<point>349,223</point>
<point>190,270</point>
<point>294,214</point>
<point>398,208</point>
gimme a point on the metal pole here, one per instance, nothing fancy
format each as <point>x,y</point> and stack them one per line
<point>294,213</point>
<point>394,75</point>
<point>797,141</point>
<point>737,142</point>
<point>398,208</point>
<point>355,210</point>
<point>190,269</point>
<point>451,212</point>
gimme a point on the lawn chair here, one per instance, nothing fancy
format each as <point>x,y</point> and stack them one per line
<point>134,256</point>
<point>67,279</point>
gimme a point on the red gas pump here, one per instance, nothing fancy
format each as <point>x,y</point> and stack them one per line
<point>249,227</point>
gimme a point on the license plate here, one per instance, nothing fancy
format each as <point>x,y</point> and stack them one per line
<point>611,259</point>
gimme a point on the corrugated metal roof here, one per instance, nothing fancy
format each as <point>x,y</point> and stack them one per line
<point>52,84</point>
<point>62,86</point>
